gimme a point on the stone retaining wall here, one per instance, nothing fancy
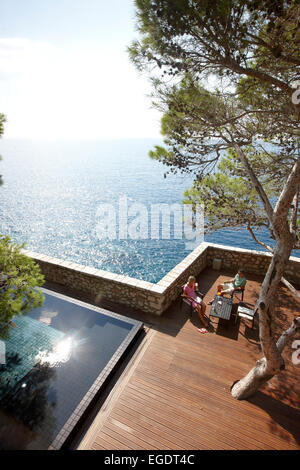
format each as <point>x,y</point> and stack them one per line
<point>101,284</point>
<point>256,262</point>
<point>146,296</point>
<point>192,265</point>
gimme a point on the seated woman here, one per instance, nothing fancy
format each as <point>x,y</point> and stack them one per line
<point>235,284</point>
<point>197,303</point>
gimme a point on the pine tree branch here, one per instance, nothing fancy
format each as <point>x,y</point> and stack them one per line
<point>293,223</point>
<point>290,287</point>
<point>258,187</point>
<point>290,332</point>
<point>291,187</point>
<point>283,280</point>
<point>267,247</point>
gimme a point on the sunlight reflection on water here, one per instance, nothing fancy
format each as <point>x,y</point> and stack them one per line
<point>52,191</point>
<point>60,354</point>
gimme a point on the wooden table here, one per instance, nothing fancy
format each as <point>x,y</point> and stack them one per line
<point>221,307</point>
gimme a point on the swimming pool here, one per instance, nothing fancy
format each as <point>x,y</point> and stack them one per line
<point>57,360</point>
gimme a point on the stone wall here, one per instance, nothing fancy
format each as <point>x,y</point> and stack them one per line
<point>101,284</point>
<point>256,262</point>
<point>146,296</point>
<point>192,265</point>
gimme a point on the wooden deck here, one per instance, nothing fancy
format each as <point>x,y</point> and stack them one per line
<point>175,391</point>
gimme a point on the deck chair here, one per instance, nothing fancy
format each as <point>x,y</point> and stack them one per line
<point>186,304</point>
<point>245,312</point>
<point>238,294</point>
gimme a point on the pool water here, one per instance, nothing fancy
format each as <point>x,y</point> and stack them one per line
<point>57,359</point>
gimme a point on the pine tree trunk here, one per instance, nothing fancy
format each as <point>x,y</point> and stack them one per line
<point>255,378</point>
<point>272,361</point>
<point>262,371</point>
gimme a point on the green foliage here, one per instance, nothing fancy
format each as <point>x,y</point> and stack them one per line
<point>2,121</point>
<point>19,278</point>
<point>251,47</point>
<point>255,40</point>
<point>199,126</point>
<point>229,198</point>
<point>218,36</point>
<point>200,129</point>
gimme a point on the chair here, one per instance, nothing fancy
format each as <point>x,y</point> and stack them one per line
<point>239,294</point>
<point>247,313</point>
<point>188,303</point>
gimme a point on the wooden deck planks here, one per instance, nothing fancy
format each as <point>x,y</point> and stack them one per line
<point>162,434</point>
<point>177,396</point>
<point>222,417</point>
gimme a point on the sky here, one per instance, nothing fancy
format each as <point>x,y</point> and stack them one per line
<point>65,72</point>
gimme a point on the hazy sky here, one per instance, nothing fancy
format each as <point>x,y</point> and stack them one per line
<point>65,72</point>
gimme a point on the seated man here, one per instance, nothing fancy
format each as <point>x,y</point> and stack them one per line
<point>235,284</point>
<point>189,291</point>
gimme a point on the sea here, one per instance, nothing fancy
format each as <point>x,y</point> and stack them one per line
<point>87,202</point>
